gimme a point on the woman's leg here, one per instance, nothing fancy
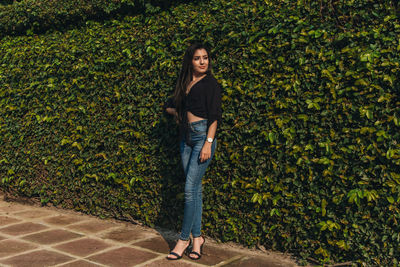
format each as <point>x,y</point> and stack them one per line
<point>186,152</point>
<point>182,244</point>
<point>193,189</point>
<point>201,168</point>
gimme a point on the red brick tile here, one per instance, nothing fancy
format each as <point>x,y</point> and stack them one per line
<point>4,220</point>
<point>157,244</point>
<point>80,263</point>
<point>37,259</point>
<point>250,261</point>
<point>212,255</point>
<point>63,219</point>
<point>123,257</point>
<point>22,228</point>
<point>10,247</point>
<point>83,247</point>
<point>13,207</point>
<point>126,235</point>
<point>32,214</point>
<point>92,226</point>
<point>52,236</point>
<point>169,263</point>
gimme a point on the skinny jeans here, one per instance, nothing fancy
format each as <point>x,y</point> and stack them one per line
<point>190,147</point>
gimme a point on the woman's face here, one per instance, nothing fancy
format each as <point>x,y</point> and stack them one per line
<point>200,61</point>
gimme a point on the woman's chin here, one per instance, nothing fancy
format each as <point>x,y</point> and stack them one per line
<point>201,71</point>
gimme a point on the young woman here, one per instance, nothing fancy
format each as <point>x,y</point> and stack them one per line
<point>196,105</point>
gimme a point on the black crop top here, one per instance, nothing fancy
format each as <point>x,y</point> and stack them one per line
<point>203,100</point>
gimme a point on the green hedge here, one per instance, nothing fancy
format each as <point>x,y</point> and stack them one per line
<point>33,16</point>
<point>5,2</point>
<point>308,156</point>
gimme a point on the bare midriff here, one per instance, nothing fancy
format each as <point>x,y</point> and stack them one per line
<point>192,118</point>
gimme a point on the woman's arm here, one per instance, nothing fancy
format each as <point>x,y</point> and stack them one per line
<point>214,113</point>
<point>212,130</point>
<point>205,152</point>
<point>171,111</point>
<point>170,108</point>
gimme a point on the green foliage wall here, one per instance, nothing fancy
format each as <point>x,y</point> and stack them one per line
<point>6,2</point>
<point>308,156</point>
<point>32,16</point>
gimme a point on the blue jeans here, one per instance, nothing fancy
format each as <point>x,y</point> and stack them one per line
<point>190,148</point>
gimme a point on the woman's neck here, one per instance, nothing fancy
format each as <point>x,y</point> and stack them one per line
<point>198,76</point>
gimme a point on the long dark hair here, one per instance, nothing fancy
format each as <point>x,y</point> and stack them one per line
<point>186,76</point>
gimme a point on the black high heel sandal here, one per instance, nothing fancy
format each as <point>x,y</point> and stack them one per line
<point>176,254</point>
<point>196,253</point>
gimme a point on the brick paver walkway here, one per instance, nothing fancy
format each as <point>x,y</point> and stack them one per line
<point>41,236</point>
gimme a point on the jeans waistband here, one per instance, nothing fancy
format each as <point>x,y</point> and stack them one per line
<point>197,126</point>
<point>197,122</point>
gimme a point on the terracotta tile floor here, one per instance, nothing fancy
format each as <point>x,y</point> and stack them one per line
<point>47,236</point>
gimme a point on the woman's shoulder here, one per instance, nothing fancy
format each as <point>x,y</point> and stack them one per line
<point>210,77</point>
<point>211,80</point>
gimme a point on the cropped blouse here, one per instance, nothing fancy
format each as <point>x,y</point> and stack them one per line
<point>203,100</point>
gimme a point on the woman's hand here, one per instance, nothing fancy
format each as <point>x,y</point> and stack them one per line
<point>173,112</point>
<point>205,152</point>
